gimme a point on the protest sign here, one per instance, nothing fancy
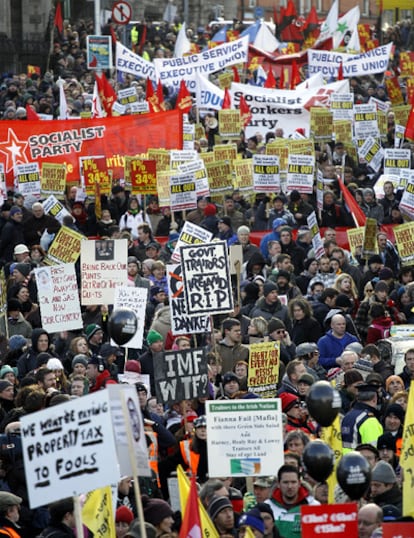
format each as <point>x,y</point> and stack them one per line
<point>219,176</point>
<point>197,169</point>
<point>206,275</point>
<point>188,135</point>
<point>135,299</point>
<point>319,190</point>
<point>372,153</point>
<point>407,454</point>
<point>171,71</point>
<point>317,242</point>
<point>244,437</point>
<point>143,176</point>
<point>395,160</point>
<point>355,239</point>
<point>301,173</point>
<point>225,152</point>
<point>181,375</point>
<point>404,237</point>
<point>55,208</point>
<point>321,124</point>
<point>332,520</point>
<point>129,62</point>
<point>264,360</point>
<point>97,512</point>
<point>342,131</point>
<point>67,447</point>
<point>379,185</point>
<point>365,122</point>
<point>28,179</point>
<point>370,244</point>
<point>342,105</point>
<point>103,268</point>
<point>183,194</point>
<point>53,179</point>
<point>243,170</point>
<point>393,529</point>
<point>65,247</point>
<point>181,323</point>
<point>59,298</point>
<point>127,96</point>
<point>229,123</point>
<point>266,176</point>
<point>180,156</point>
<point>95,171</point>
<point>407,199</point>
<point>190,234</point>
<point>99,52</point>
<point>124,399</point>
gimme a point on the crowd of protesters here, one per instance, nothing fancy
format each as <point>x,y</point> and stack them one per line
<point>328,314</point>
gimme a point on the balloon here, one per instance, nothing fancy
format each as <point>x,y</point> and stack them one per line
<point>122,325</point>
<point>318,459</point>
<point>324,402</point>
<point>353,474</point>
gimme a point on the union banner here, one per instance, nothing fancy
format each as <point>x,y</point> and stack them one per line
<point>64,141</point>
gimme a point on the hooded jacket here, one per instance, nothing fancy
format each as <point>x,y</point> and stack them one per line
<point>27,362</point>
<point>276,310</point>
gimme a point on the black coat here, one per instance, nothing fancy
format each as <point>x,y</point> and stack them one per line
<point>305,330</point>
<point>12,234</point>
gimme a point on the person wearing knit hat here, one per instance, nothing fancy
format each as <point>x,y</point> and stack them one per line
<point>221,514</point>
<point>91,330</point>
<point>269,306</point>
<point>134,530</point>
<point>16,323</point>
<point>17,341</point>
<point>386,274</point>
<point>9,373</point>
<point>384,486</point>
<point>94,335</point>
<point>54,364</point>
<point>351,379</point>
<point>79,364</point>
<point>155,342</point>
<point>123,518</point>
<point>252,519</point>
<point>266,514</point>
<point>289,400</point>
<point>153,337</point>
<point>158,513</point>
<point>23,268</point>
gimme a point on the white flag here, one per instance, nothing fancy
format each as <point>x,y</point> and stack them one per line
<point>330,24</point>
<point>208,95</point>
<point>182,43</point>
<point>347,23</point>
<point>63,105</point>
<point>265,40</point>
<point>353,44</point>
<point>97,111</point>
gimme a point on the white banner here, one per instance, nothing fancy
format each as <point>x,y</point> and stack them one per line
<point>129,62</point>
<point>171,71</point>
<point>59,298</point>
<point>103,268</point>
<point>208,95</point>
<point>289,109</point>
<point>354,65</point>
<point>69,449</point>
<point>136,300</point>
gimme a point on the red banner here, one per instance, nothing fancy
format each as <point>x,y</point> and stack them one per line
<point>329,520</point>
<point>64,141</point>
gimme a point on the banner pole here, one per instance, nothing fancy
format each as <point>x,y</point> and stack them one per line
<point>78,516</point>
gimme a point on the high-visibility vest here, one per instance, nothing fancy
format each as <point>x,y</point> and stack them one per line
<point>153,453</point>
<point>190,457</point>
<point>8,531</point>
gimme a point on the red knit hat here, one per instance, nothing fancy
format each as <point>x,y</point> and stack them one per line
<point>132,366</point>
<point>288,400</point>
<point>124,514</point>
<point>210,210</point>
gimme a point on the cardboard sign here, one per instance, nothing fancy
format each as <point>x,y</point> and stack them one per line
<point>206,274</point>
<point>355,239</point>
<point>143,176</point>
<point>191,234</point>
<point>342,105</point>
<point>229,123</point>
<point>370,245</point>
<point>67,447</point>
<point>95,171</point>
<point>198,170</point>
<point>244,437</point>
<point>59,298</point>
<point>395,160</point>
<point>133,421</point>
<point>53,179</point>
<point>28,179</point>
<point>181,375</point>
<point>365,122</point>
<point>301,173</point>
<point>219,176</point>
<point>266,177</point>
<point>243,170</point>
<point>329,520</point>
<point>65,247</point>
<point>264,360</point>
<point>371,153</point>
<point>103,268</point>
<point>136,300</point>
<point>183,193</point>
<point>181,323</point>
<point>54,207</point>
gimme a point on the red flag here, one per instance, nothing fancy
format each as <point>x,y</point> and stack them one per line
<point>245,114</point>
<point>113,35</point>
<point>184,101</point>
<point>409,128</point>
<point>227,99</point>
<point>282,78</point>
<point>191,525</point>
<point>236,76</point>
<point>311,23</point>
<point>270,81</point>
<point>275,16</point>
<point>160,95</point>
<point>31,114</point>
<point>106,93</point>
<point>295,78</point>
<point>152,98</point>
<point>58,22</point>
<point>355,210</point>
<point>291,10</point>
<point>340,72</point>
<point>142,38</point>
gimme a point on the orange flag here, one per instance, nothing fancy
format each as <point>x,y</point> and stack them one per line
<point>226,100</point>
<point>191,525</point>
<point>106,93</point>
<point>270,81</point>
<point>184,101</point>
<point>245,114</point>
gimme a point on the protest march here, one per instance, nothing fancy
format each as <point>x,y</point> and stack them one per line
<point>207,281</point>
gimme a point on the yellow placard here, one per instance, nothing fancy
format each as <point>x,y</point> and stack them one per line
<point>243,169</point>
<point>404,237</point>
<point>355,239</point>
<point>65,247</point>
<point>229,124</point>
<point>97,512</point>
<point>264,368</point>
<point>219,176</point>
<point>53,179</point>
<point>321,123</point>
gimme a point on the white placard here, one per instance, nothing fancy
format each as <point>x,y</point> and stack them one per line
<point>317,242</point>
<point>395,160</point>
<point>266,173</point>
<point>136,300</point>
<point>191,234</point>
<point>103,268</point>
<point>59,298</point>
<point>183,193</point>
<point>244,437</point>
<point>198,170</point>
<point>365,122</point>
<point>301,173</point>
<point>342,105</point>
<point>69,449</point>
<point>54,207</point>
<point>28,179</point>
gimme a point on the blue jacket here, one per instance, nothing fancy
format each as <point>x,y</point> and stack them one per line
<point>331,347</point>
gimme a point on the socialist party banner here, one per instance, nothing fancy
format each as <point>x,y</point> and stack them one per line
<point>289,109</point>
<point>64,141</point>
<point>181,375</point>
<point>171,71</point>
<point>370,62</point>
<point>129,62</point>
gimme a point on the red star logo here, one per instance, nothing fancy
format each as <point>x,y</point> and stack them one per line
<point>14,149</point>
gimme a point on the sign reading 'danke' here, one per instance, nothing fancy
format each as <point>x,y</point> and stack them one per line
<point>66,449</point>
<point>206,274</point>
